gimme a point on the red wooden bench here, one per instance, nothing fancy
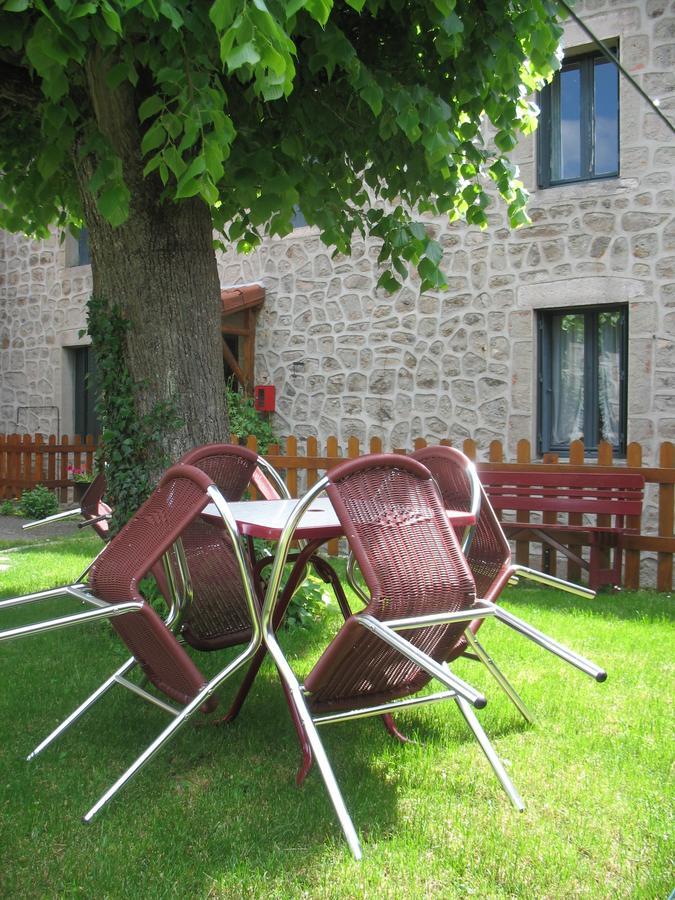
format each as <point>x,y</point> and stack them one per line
<point>540,498</point>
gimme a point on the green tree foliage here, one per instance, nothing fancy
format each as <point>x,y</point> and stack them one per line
<point>364,113</point>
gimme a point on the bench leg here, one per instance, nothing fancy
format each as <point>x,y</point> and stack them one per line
<point>602,571</point>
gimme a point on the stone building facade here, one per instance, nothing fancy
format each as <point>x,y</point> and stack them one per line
<point>348,359</point>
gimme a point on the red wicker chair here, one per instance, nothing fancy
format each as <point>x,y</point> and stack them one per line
<point>422,597</point>
<point>216,621</point>
<point>113,590</point>
<point>489,557</point>
<point>92,509</point>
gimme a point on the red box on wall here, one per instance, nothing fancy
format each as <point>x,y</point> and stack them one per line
<point>264,396</point>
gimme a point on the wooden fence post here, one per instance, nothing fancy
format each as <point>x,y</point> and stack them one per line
<point>332,450</point>
<point>292,471</point>
<point>664,565</point>
<point>632,565</point>
<point>312,471</point>
<point>522,515</point>
<point>496,452</point>
<point>353,448</point>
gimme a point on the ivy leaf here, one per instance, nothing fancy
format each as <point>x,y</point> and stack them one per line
<point>244,55</point>
<point>153,138</point>
<point>319,9</point>
<point>189,182</point>
<point>112,20</point>
<point>388,282</point>
<point>113,203</point>
<point>373,95</point>
<point>505,140</point>
<point>169,11</point>
<point>150,107</point>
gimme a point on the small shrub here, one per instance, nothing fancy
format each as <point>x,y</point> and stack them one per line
<point>245,420</point>
<point>308,605</point>
<point>7,508</point>
<point>38,503</point>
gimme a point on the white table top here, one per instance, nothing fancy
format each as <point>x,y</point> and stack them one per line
<point>266,519</point>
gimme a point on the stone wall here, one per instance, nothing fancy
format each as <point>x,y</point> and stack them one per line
<point>42,310</point>
<point>348,359</point>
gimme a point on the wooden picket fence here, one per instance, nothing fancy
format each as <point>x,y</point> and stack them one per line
<point>27,460</point>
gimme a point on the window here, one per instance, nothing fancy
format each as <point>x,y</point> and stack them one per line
<point>298,220</point>
<point>84,366</point>
<point>83,251</point>
<point>77,249</point>
<point>582,377</point>
<point>579,128</point>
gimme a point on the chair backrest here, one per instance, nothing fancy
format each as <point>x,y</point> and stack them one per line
<point>394,519</point>
<point>93,508</point>
<point>218,616</point>
<point>489,554</point>
<point>116,574</point>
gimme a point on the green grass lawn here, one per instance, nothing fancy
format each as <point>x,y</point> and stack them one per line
<point>217,813</point>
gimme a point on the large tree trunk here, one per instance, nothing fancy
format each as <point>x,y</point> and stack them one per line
<point>160,268</point>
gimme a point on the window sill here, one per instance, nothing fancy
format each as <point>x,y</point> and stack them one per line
<point>573,190</point>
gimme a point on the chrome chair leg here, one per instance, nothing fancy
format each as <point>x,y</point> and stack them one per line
<point>312,735</point>
<point>82,708</point>
<point>551,645</point>
<point>553,581</point>
<point>489,751</point>
<point>499,676</point>
<point>173,726</point>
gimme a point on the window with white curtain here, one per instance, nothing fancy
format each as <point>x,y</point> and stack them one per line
<point>582,377</point>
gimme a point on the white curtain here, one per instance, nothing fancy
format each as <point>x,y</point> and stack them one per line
<point>609,383</point>
<point>567,415</point>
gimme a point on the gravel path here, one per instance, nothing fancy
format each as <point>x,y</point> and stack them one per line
<point>10,529</point>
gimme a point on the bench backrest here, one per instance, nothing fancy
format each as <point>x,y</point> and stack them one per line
<point>616,494</point>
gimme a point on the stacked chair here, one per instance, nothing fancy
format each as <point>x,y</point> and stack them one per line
<point>421,598</point>
<point>93,510</point>
<point>489,557</point>
<point>153,534</point>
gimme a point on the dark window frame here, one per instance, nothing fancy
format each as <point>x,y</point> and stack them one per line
<point>85,418</point>
<point>545,380</point>
<point>548,149</point>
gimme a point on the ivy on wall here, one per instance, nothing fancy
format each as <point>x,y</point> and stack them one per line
<point>131,442</point>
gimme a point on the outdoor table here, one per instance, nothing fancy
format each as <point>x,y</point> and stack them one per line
<point>266,519</point>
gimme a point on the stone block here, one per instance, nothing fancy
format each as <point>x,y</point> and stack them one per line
<point>668,294</point>
<point>599,245</point>
<point>459,341</point>
<point>665,156</point>
<point>644,246</point>
<point>664,57</point>
<point>464,391</point>
<point>520,324</point>
<point>473,364</point>
<point>642,318</point>
<point>665,267</point>
<point>599,223</point>
<point>619,254</point>
<point>403,404</point>
<point>381,381</point>
<point>578,244</point>
<point>379,409</point>
<point>451,365</point>
<point>425,403</point>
